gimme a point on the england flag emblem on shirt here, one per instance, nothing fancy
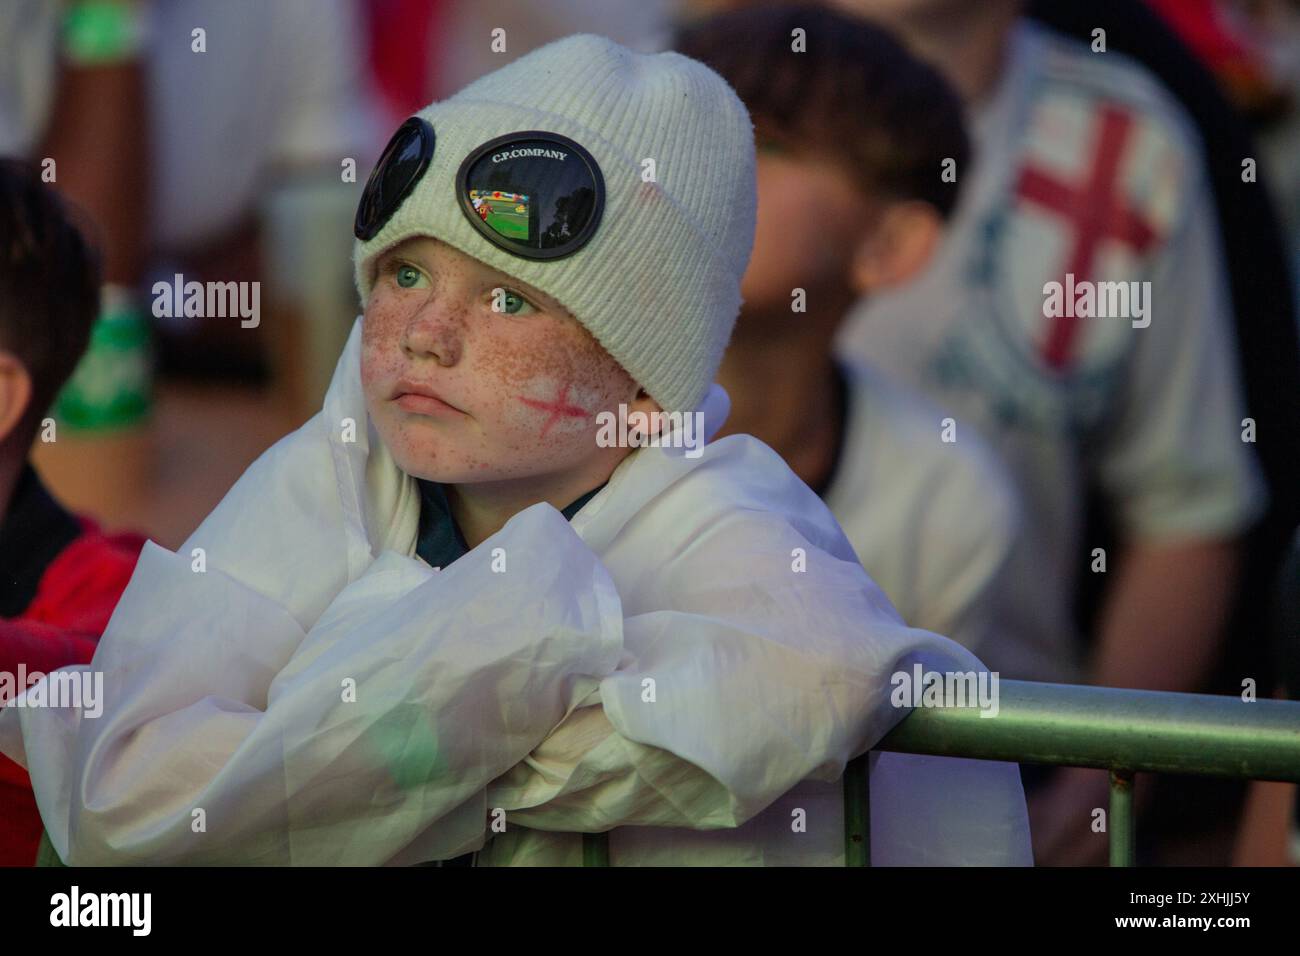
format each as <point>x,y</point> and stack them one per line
<point>1064,267</point>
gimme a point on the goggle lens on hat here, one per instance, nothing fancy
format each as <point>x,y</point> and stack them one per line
<point>400,167</point>
<point>534,194</point>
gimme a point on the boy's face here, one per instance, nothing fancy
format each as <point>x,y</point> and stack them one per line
<point>15,396</point>
<point>811,218</point>
<point>520,386</point>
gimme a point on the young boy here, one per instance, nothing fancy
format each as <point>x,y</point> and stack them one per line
<point>678,645</point>
<point>59,576</point>
<point>853,134</point>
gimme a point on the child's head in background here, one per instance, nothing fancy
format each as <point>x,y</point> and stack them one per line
<point>860,148</point>
<point>49,297</point>
<point>576,243</point>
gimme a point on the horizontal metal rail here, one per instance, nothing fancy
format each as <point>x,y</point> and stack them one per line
<point>1123,731</point>
<point>1114,729</point>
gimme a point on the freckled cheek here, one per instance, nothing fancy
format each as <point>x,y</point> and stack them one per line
<point>370,372</point>
<point>382,325</point>
<point>602,384</point>
<point>378,372</point>
<point>381,349</point>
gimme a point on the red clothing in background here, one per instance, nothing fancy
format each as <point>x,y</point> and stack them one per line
<point>60,579</point>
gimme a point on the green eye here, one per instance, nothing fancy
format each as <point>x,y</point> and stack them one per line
<point>511,303</point>
<point>408,276</point>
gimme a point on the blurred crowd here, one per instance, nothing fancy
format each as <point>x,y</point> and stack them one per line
<point>1078,499</point>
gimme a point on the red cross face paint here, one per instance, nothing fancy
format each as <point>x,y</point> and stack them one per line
<point>460,391</point>
<point>559,409</point>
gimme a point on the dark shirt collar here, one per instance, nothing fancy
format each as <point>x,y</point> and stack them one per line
<point>440,541</point>
<point>34,530</point>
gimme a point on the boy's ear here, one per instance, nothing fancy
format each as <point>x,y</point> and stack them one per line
<point>15,392</point>
<point>898,249</point>
<point>644,403</point>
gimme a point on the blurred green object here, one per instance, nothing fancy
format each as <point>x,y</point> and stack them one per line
<point>112,386</point>
<point>102,32</point>
<point>45,855</point>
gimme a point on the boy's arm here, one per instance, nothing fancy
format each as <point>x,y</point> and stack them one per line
<point>760,676</point>
<point>585,777</point>
<point>590,774</point>
<point>1180,470</point>
<point>230,736</point>
<point>76,598</point>
<point>1161,622</point>
<point>1182,479</point>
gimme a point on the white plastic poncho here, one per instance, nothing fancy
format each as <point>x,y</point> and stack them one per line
<point>318,695</point>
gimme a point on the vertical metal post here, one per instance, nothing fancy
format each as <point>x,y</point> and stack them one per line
<point>1121,825</point>
<point>857,812</point>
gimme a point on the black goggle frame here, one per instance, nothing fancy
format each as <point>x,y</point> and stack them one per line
<point>394,176</point>
<point>408,155</point>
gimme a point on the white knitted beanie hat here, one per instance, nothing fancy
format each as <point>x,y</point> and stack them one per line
<point>658,284</point>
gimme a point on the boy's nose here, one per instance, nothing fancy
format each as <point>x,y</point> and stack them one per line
<point>435,331</point>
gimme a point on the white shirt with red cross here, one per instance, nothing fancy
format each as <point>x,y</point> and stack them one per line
<point>1077,317</point>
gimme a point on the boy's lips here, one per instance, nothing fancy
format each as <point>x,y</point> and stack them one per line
<point>421,399</point>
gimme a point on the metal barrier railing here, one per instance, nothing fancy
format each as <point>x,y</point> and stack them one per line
<point>1123,731</point>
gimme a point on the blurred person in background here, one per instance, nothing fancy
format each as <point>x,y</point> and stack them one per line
<point>1232,38</point>
<point>478,36</point>
<point>253,135</point>
<point>60,575</point>
<point>849,136</point>
<point>1086,171</point>
<point>1253,49</point>
<point>73,98</point>
<point>419,50</point>
<point>1230,70</point>
<point>217,142</point>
